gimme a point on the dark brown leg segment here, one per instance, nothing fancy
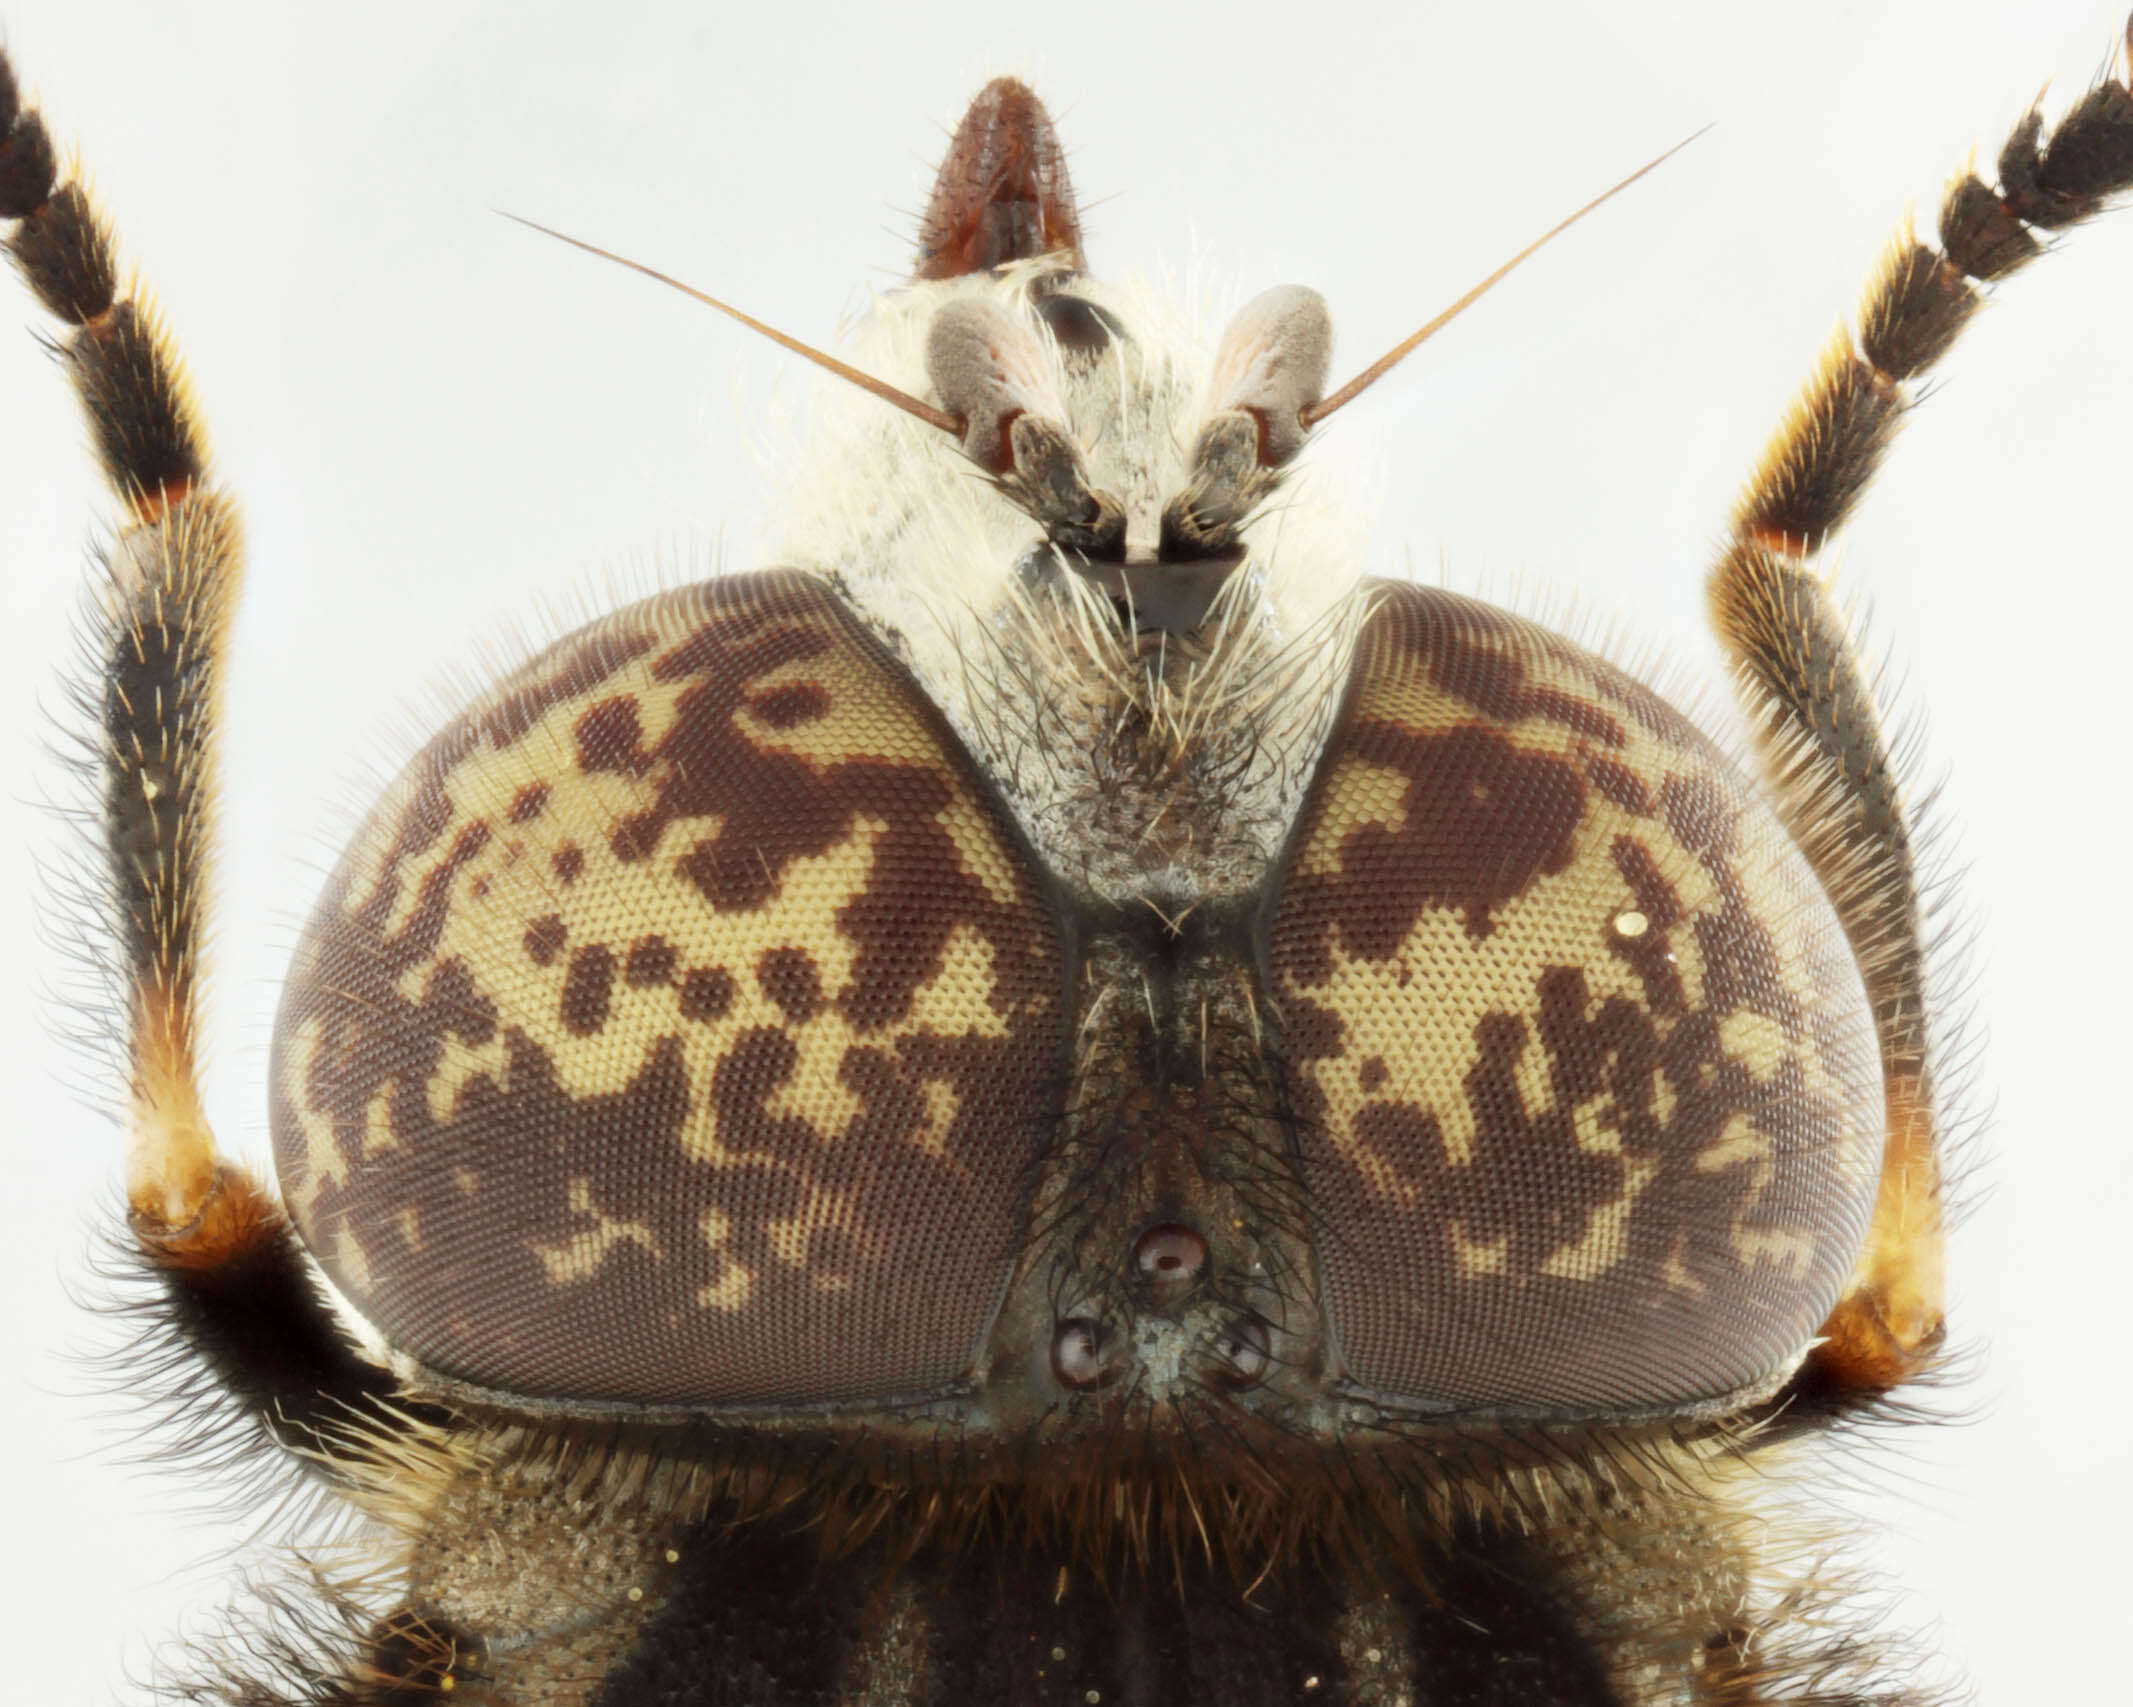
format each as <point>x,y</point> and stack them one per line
<point>1816,719</point>
<point>236,1293</point>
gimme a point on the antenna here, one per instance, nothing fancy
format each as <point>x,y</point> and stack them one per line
<point>1313,413</point>
<point>843,370</point>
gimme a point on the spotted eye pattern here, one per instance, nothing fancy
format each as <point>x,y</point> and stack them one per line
<point>1586,1074</point>
<point>685,1028</point>
<point>1063,1098</point>
<point>675,1029</point>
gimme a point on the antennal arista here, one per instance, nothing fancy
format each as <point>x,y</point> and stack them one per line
<point>1311,414</point>
<point>926,412</point>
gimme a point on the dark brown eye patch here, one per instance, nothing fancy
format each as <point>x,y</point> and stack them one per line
<point>673,1031</point>
<point>684,1028</point>
<point>1587,1084</point>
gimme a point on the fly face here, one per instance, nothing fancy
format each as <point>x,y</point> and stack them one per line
<point>1060,1095</point>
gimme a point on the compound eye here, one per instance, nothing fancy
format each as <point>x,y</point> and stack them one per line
<point>676,1029</point>
<point>1586,1073</point>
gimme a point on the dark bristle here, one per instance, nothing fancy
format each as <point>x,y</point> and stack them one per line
<point>28,168</point>
<point>65,255</point>
<point>1848,419</point>
<point>2091,153</point>
<point>136,406</point>
<point>259,1325</point>
<point>1919,303</point>
<point>1815,711</point>
<point>258,1393</point>
<point>1909,322</point>
<point>1002,193</point>
<point>158,673</point>
<point>1818,1405</point>
<point>1168,1540</point>
<point>275,1648</point>
<point>2022,188</point>
<point>1981,234</point>
<point>410,1659</point>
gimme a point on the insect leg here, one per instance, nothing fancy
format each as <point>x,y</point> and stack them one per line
<point>1813,705</point>
<point>234,1283</point>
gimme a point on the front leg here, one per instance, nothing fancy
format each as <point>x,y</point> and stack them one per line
<point>235,1293</point>
<point>1813,705</point>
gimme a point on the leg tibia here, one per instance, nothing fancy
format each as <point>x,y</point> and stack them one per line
<point>1823,747</point>
<point>174,573</point>
<point>1816,720</point>
<point>166,615</point>
<point>237,1296</point>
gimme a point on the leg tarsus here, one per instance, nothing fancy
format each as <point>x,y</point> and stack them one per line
<point>238,1297</point>
<point>1815,718</point>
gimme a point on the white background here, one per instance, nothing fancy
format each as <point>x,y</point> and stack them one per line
<point>437,422</point>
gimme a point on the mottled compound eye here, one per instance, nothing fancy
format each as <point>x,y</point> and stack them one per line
<point>676,1028</point>
<point>1586,1074</point>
